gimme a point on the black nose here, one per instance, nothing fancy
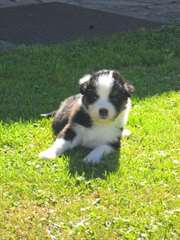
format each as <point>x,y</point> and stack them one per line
<point>103,112</point>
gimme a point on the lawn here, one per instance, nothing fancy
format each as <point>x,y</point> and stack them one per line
<point>132,194</point>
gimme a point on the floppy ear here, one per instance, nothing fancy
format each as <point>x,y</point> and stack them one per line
<point>129,88</point>
<point>83,83</point>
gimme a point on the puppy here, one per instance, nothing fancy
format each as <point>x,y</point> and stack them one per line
<point>95,118</point>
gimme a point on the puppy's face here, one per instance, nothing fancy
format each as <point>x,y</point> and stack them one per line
<point>105,94</point>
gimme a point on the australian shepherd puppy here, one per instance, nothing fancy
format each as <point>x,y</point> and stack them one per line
<point>95,118</point>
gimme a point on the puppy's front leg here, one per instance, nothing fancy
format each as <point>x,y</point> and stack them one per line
<point>97,153</point>
<point>67,139</point>
<point>58,147</point>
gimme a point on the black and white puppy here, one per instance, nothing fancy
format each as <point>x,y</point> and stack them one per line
<point>95,118</point>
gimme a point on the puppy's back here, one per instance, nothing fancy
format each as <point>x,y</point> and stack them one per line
<point>62,115</point>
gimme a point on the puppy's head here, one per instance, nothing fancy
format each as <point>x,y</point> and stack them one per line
<point>105,94</point>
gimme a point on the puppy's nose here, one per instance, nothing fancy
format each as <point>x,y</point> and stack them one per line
<point>103,112</point>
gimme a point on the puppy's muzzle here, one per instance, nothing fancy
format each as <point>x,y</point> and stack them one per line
<point>103,113</point>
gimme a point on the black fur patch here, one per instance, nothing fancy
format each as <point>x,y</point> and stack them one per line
<point>61,117</point>
<point>59,123</point>
<point>89,92</point>
<point>129,88</point>
<point>82,117</point>
<point>68,134</point>
<point>118,96</point>
<point>115,144</point>
<point>89,98</point>
<point>116,75</point>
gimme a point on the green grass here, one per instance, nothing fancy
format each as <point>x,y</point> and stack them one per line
<point>132,194</point>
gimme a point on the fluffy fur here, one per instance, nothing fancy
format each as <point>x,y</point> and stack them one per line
<point>95,118</point>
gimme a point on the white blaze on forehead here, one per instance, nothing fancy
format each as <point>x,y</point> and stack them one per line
<point>104,84</point>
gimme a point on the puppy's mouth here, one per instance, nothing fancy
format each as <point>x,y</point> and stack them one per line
<point>103,117</point>
<point>103,121</point>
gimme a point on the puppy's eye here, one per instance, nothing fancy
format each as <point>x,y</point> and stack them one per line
<point>114,95</point>
<point>91,97</point>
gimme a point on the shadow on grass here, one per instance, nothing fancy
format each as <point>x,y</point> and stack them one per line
<point>107,165</point>
<point>35,80</point>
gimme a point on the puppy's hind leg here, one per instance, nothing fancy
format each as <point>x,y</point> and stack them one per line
<point>67,139</point>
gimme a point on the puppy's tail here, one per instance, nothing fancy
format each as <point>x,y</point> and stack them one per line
<point>50,114</point>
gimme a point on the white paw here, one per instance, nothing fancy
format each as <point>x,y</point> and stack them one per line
<point>126,133</point>
<point>48,154</point>
<point>92,158</point>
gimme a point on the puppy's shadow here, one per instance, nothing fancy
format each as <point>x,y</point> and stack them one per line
<point>107,165</point>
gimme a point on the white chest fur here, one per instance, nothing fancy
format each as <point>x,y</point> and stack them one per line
<point>99,134</point>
